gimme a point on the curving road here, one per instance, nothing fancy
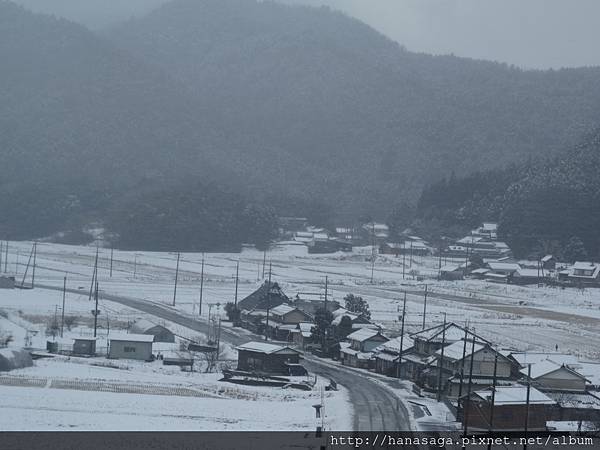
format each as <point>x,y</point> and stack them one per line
<point>375,407</point>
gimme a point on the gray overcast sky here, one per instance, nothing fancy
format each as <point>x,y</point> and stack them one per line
<point>528,33</point>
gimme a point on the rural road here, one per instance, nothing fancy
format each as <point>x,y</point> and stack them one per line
<point>374,405</point>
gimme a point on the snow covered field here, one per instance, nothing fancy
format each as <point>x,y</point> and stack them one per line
<point>525,318</point>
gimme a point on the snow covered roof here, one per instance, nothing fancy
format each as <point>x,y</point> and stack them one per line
<point>263,347</point>
<point>489,226</point>
<point>515,395</point>
<point>363,334</point>
<point>524,358</point>
<point>529,273</point>
<point>282,309</point>
<point>503,266</point>
<point>584,265</point>
<point>547,258</point>
<point>546,367</point>
<point>469,240</point>
<point>393,345</point>
<point>455,351</point>
<point>131,337</point>
<point>481,271</point>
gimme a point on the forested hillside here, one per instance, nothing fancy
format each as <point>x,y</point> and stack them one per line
<point>543,207</point>
<point>298,110</point>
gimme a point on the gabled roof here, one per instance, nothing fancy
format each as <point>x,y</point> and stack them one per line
<point>264,347</point>
<point>453,333</point>
<point>143,326</point>
<point>393,345</point>
<point>503,266</point>
<point>515,395</point>
<point>364,334</point>
<point>455,351</point>
<point>130,337</point>
<point>547,367</point>
<point>547,258</point>
<point>260,299</point>
<point>524,358</point>
<point>282,309</point>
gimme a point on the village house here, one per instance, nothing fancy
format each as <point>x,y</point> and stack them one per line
<point>487,229</point>
<point>585,273</point>
<point>302,335</point>
<point>374,232</point>
<point>511,409</point>
<point>253,308</point>
<point>268,358</point>
<point>329,245</point>
<point>426,343</point>
<point>454,363</point>
<point>452,272</point>
<point>283,319</point>
<point>357,321</point>
<point>159,332</point>
<point>358,351</point>
<point>387,355</point>
<point>130,346</point>
<point>550,376</point>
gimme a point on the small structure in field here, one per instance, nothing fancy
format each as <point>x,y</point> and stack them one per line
<point>7,282</point>
<point>85,346</point>
<point>160,332</point>
<point>11,359</point>
<point>130,346</point>
<point>269,358</point>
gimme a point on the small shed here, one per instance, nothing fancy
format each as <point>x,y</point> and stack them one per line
<point>265,357</point>
<point>84,346</point>
<point>160,332</point>
<point>7,282</point>
<point>130,346</point>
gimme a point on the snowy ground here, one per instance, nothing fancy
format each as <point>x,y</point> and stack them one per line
<point>525,318</point>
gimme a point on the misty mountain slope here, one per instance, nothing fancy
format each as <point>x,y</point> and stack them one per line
<point>542,206</point>
<point>369,120</point>
<point>72,105</point>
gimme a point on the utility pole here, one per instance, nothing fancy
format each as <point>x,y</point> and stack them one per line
<point>6,258</point>
<point>176,276</point>
<point>527,406</point>
<point>403,259</point>
<point>264,263</point>
<point>441,363</point>
<point>235,298</point>
<point>462,366</point>
<point>401,338</point>
<point>34,263</point>
<point>111,260</point>
<point>218,338</point>
<point>94,275</point>
<point>469,387</point>
<point>411,254</point>
<point>134,265</point>
<point>26,269</point>
<point>62,319</point>
<point>201,287</point>
<point>494,381</point>
<point>268,304</point>
<point>96,310</point>
<point>17,263</point>
<point>424,307</point>
<point>373,253</point>
<point>326,289</point>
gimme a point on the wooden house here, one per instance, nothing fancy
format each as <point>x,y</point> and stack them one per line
<point>130,346</point>
<point>510,409</point>
<point>387,355</point>
<point>268,358</point>
<point>359,351</point>
<point>159,332</point>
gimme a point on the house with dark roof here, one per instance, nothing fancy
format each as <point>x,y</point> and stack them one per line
<point>264,297</point>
